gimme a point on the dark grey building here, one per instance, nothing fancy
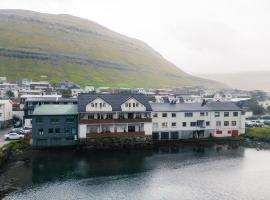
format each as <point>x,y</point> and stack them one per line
<point>55,125</point>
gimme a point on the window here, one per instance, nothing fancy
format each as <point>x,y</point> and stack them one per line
<point>0,114</point>
<point>164,124</point>
<point>50,130</point>
<point>134,105</point>
<point>39,120</point>
<point>40,131</point>
<point>233,123</point>
<point>207,123</point>
<point>217,114</point>
<point>126,104</point>
<point>226,123</point>
<point>188,114</point>
<point>184,124</point>
<point>218,123</point>
<point>57,130</point>
<point>173,124</point>
<point>100,105</point>
<point>155,125</point>
<point>173,114</point>
<point>202,114</point>
<point>192,124</point>
<point>70,119</point>
<point>164,114</point>
<point>226,114</point>
<point>104,104</point>
<point>109,116</point>
<point>54,120</point>
<point>155,115</point>
<point>129,105</point>
<point>137,104</point>
<point>138,116</point>
<point>91,116</point>
<point>92,105</point>
<point>95,105</point>
<point>235,114</point>
<point>206,113</point>
<point>67,130</point>
<point>74,131</point>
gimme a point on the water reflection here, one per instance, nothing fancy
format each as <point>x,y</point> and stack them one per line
<point>62,165</point>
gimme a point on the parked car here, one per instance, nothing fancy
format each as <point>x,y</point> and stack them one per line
<point>257,123</point>
<point>267,122</point>
<point>13,136</point>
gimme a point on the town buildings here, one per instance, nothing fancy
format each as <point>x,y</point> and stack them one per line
<point>54,125</point>
<point>102,115</point>
<point>31,102</point>
<point>5,113</point>
<point>196,120</point>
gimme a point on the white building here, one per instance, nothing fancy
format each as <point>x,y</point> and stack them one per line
<point>196,120</point>
<point>107,115</point>
<point>4,87</point>
<point>5,113</point>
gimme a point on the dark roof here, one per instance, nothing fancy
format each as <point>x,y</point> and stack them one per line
<point>212,106</point>
<point>50,99</point>
<point>115,100</point>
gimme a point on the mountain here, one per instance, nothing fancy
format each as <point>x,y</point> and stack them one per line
<point>63,47</point>
<point>250,80</point>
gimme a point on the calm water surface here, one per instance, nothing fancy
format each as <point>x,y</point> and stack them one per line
<point>186,172</point>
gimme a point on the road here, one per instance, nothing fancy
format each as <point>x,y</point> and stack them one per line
<point>2,139</point>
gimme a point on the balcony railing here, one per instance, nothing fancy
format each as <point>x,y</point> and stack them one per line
<point>113,121</point>
<point>115,134</point>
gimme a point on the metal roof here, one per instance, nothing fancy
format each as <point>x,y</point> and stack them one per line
<point>59,109</point>
<point>185,107</point>
<point>50,99</point>
<point>115,100</point>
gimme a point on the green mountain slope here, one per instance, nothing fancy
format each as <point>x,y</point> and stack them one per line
<point>63,47</point>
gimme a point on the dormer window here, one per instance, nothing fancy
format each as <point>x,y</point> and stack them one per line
<point>92,105</point>
<point>134,105</point>
<point>126,105</point>
<point>129,105</point>
<point>137,104</point>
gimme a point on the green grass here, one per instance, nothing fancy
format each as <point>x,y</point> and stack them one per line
<point>72,36</point>
<point>258,133</point>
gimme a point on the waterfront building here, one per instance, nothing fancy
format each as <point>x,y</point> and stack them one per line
<point>114,115</point>
<point>197,120</point>
<point>31,102</point>
<point>54,125</point>
<point>5,113</point>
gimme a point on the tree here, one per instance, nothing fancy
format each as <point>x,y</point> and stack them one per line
<point>66,93</point>
<point>252,105</point>
<point>268,109</point>
<point>10,94</point>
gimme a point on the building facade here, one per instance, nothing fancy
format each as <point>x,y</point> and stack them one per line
<point>196,120</point>
<point>5,113</point>
<point>55,125</point>
<point>107,115</point>
<point>31,102</point>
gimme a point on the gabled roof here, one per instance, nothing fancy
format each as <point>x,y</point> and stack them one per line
<point>115,100</point>
<point>59,109</point>
<point>185,107</point>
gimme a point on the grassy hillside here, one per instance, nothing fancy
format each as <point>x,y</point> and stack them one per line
<point>66,47</point>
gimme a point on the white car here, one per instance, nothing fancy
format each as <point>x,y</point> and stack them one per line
<point>13,136</point>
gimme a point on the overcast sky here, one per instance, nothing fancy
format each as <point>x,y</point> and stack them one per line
<point>199,36</point>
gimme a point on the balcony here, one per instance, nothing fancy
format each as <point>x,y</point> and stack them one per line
<point>115,134</point>
<point>113,121</point>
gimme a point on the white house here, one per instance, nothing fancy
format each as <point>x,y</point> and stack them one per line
<point>110,115</point>
<point>5,113</point>
<point>197,120</point>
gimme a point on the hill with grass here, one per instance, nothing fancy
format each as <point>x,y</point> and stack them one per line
<point>63,47</point>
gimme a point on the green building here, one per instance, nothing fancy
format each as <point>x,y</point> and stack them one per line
<point>55,125</point>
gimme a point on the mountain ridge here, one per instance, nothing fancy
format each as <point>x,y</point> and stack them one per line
<point>61,46</point>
